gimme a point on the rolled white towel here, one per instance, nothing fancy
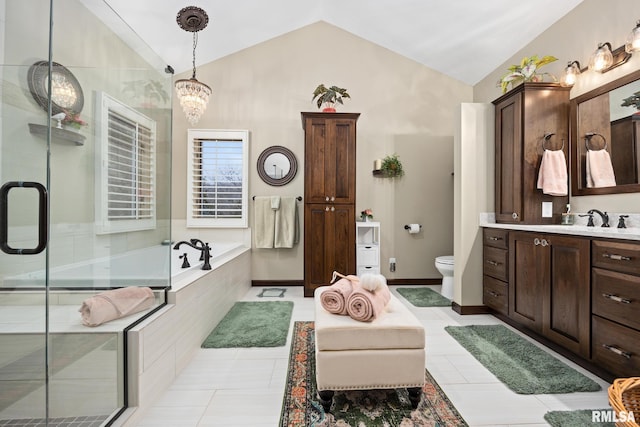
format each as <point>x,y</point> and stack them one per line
<point>372,282</point>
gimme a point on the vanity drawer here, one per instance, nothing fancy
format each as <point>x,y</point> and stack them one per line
<point>624,257</point>
<point>496,238</point>
<point>616,348</point>
<point>616,296</point>
<point>495,263</point>
<point>495,294</point>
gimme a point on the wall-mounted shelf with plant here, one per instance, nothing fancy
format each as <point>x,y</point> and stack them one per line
<point>391,167</point>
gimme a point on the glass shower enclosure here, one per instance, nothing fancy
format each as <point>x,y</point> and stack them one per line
<point>85,152</point>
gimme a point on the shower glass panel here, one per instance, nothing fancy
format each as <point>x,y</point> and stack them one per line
<point>85,153</point>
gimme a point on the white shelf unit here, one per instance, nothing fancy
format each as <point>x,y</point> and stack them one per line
<point>367,247</point>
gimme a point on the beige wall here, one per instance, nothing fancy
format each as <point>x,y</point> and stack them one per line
<point>405,108</point>
<point>575,37</point>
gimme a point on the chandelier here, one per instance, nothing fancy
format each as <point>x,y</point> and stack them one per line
<point>193,95</point>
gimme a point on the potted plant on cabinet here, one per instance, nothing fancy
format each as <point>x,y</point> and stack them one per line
<point>526,71</point>
<point>329,96</point>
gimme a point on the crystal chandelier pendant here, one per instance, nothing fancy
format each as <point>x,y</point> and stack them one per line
<point>194,97</point>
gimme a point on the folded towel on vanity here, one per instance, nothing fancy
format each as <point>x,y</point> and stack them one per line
<point>552,175</point>
<point>334,299</point>
<point>599,169</point>
<point>286,229</point>
<point>264,219</point>
<point>115,304</point>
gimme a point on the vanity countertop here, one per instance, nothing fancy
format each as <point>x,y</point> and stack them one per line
<point>580,229</point>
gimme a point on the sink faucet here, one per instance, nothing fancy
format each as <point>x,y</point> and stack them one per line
<point>603,215</point>
<point>205,250</point>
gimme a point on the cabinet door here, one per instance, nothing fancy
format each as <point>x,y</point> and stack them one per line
<point>330,159</point>
<point>527,274</point>
<point>329,243</point>
<point>566,306</point>
<point>508,166</point>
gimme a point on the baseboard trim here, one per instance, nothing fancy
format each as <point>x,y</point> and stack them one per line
<point>414,282</point>
<point>272,283</point>
<point>470,309</point>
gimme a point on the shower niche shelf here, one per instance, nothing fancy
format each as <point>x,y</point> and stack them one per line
<point>57,134</point>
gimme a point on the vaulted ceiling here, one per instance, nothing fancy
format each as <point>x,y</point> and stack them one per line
<point>464,39</point>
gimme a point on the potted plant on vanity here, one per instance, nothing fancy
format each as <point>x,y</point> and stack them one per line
<point>329,96</point>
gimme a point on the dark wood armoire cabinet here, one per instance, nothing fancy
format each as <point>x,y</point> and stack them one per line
<point>524,115</point>
<point>329,196</point>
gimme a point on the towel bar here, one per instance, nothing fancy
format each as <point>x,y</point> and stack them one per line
<point>299,198</point>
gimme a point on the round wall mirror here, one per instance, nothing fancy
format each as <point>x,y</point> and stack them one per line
<point>66,93</point>
<point>277,165</point>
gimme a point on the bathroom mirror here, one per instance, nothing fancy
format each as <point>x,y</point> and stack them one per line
<point>277,165</point>
<point>599,121</point>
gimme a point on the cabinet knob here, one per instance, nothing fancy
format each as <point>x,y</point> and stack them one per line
<point>333,198</point>
<point>536,241</point>
<point>333,208</point>
<point>326,208</point>
<point>544,242</point>
<point>492,262</point>
<point>617,257</point>
<point>326,199</point>
<point>616,298</point>
<point>495,239</point>
<point>514,215</point>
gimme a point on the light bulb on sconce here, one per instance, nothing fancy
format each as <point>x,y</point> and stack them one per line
<point>571,73</point>
<point>602,58</point>
<point>633,41</point>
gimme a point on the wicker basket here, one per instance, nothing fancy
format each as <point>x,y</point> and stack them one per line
<point>624,396</point>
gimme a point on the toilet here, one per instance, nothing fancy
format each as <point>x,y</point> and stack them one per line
<point>444,264</point>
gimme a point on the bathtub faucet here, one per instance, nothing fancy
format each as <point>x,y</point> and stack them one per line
<point>205,251</point>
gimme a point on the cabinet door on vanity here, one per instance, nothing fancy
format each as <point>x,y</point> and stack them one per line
<point>567,309</point>
<point>527,275</point>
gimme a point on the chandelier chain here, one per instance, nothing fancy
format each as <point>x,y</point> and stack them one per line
<point>195,43</point>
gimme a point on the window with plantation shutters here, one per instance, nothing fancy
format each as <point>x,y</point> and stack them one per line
<point>126,169</point>
<point>217,178</point>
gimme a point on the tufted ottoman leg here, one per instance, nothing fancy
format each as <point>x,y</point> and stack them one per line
<point>326,397</point>
<point>415,393</point>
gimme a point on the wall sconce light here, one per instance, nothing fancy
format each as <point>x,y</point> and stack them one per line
<point>633,41</point>
<point>604,59</point>
<point>193,95</point>
<point>571,74</point>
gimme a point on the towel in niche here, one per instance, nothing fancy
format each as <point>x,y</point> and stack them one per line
<point>115,304</point>
<point>599,169</point>
<point>264,219</point>
<point>552,175</point>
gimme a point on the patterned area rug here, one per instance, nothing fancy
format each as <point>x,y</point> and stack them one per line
<point>372,408</point>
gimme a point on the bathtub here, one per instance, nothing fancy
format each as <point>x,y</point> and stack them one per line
<point>142,267</point>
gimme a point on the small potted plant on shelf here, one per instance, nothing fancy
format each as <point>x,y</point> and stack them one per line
<point>632,101</point>
<point>392,166</point>
<point>329,96</point>
<point>366,215</point>
<point>526,71</point>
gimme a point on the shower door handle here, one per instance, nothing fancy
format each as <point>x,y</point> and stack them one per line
<point>43,230</point>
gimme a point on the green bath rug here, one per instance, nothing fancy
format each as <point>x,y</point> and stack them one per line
<point>521,365</point>
<point>424,297</point>
<point>252,324</point>
<point>579,418</point>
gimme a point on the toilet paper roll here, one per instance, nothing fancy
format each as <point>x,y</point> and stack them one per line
<point>414,228</point>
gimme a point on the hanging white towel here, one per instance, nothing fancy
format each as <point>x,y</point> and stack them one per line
<point>552,176</point>
<point>264,222</point>
<point>275,202</point>
<point>599,169</point>
<point>287,230</point>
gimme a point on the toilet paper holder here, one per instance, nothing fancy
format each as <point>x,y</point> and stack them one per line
<point>408,227</point>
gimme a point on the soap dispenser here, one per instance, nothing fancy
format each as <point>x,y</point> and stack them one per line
<point>568,217</point>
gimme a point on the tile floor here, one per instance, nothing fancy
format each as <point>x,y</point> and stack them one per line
<point>244,387</point>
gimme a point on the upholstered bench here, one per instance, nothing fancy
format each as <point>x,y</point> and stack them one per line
<point>384,354</point>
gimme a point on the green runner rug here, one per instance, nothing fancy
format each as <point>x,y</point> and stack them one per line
<point>521,365</point>
<point>252,324</point>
